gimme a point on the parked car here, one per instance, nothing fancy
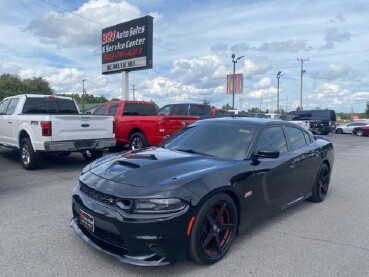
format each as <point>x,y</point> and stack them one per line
<point>361,131</point>
<point>348,128</point>
<point>321,121</point>
<point>36,124</point>
<point>192,195</point>
<point>138,124</point>
<point>187,109</point>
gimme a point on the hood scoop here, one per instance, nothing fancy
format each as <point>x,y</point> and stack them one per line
<point>142,157</point>
<point>129,164</point>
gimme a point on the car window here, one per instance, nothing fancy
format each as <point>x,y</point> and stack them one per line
<point>197,110</point>
<point>139,109</point>
<point>165,110</point>
<point>101,110</point>
<point>113,109</point>
<point>307,137</point>
<point>296,137</point>
<point>272,138</point>
<point>225,141</point>
<point>49,105</point>
<point>3,106</point>
<point>180,109</point>
<point>12,105</point>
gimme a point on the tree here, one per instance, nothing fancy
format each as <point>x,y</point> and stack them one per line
<point>13,85</point>
<point>227,107</point>
<point>255,110</point>
<point>367,110</point>
<point>299,108</point>
<point>205,102</point>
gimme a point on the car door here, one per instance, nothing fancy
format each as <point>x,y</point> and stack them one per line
<point>271,184</point>
<point>3,123</point>
<point>306,159</point>
<point>9,118</point>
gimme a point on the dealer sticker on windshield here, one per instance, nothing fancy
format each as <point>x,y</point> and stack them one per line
<point>87,221</point>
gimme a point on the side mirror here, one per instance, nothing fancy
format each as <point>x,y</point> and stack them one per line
<point>267,153</point>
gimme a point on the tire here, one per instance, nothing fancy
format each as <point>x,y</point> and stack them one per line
<point>339,131</point>
<point>28,157</point>
<point>137,141</point>
<point>214,230</point>
<point>91,155</point>
<point>360,132</point>
<point>320,188</point>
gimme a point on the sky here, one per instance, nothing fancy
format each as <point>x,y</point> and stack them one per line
<point>192,48</point>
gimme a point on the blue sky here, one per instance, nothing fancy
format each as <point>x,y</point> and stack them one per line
<point>193,44</point>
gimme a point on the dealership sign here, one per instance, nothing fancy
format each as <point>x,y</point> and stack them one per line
<point>127,46</point>
<point>237,79</point>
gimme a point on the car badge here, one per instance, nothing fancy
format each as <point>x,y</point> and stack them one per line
<point>85,125</point>
<point>110,200</point>
<point>248,194</point>
<point>183,124</point>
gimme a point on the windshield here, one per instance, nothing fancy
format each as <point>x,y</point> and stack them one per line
<point>224,141</point>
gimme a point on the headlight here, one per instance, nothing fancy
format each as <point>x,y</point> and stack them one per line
<point>169,205</point>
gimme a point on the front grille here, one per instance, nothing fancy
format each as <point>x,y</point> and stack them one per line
<point>105,236</point>
<point>105,198</point>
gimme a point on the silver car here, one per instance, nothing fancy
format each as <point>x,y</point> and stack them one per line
<point>347,129</point>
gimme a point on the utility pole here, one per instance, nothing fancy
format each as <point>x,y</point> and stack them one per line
<point>133,92</point>
<point>83,93</point>
<point>234,75</point>
<point>279,74</point>
<point>302,73</point>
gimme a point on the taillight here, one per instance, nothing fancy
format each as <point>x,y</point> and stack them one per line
<point>46,128</point>
<point>161,126</point>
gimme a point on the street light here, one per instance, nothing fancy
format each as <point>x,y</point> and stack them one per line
<point>234,73</point>
<point>279,74</point>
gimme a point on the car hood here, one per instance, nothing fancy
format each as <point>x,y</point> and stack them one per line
<point>154,167</point>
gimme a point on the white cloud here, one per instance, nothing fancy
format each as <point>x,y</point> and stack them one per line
<point>263,83</point>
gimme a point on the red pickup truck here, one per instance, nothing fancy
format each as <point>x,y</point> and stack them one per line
<point>138,124</point>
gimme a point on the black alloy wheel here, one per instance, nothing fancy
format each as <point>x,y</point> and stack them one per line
<point>321,185</point>
<point>214,229</point>
<point>137,141</point>
<point>339,131</point>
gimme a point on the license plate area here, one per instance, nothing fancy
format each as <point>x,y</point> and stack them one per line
<point>87,221</point>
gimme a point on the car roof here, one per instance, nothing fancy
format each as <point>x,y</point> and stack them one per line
<point>247,120</point>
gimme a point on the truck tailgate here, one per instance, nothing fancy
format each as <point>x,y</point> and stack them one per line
<point>81,127</point>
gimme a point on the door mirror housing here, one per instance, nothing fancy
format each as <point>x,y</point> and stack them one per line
<point>267,153</point>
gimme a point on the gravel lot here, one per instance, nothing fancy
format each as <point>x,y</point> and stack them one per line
<point>326,239</point>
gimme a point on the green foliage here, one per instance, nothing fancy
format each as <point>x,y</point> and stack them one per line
<point>254,110</point>
<point>205,102</point>
<point>85,98</point>
<point>299,108</point>
<point>13,85</point>
<point>227,107</point>
<point>367,110</point>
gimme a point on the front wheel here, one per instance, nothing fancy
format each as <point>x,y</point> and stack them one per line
<point>27,156</point>
<point>339,131</point>
<point>91,155</point>
<point>321,185</point>
<point>214,229</point>
<point>360,132</point>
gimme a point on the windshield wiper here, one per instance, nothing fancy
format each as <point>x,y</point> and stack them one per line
<point>193,152</point>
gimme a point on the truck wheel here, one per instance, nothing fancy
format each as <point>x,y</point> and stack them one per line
<point>27,156</point>
<point>137,141</point>
<point>91,155</point>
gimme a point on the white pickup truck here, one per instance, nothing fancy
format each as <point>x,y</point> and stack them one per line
<point>35,124</point>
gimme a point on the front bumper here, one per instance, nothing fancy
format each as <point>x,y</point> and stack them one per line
<point>140,241</point>
<point>78,145</point>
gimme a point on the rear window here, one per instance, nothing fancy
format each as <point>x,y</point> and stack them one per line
<point>49,106</point>
<point>328,115</point>
<point>139,109</point>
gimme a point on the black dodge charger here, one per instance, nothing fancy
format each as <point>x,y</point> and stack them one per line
<point>192,195</point>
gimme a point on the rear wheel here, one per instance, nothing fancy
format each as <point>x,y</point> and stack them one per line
<point>27,156</point>
<point>91,155</point>
<point>339,131</point>
<point>321,185</point>
<point>214,229</point>
<point>360,132</point>
<point>137,141</point>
